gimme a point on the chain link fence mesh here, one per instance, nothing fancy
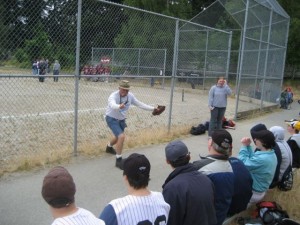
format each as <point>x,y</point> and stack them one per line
<point>168,61</point>
<point>260,31</point>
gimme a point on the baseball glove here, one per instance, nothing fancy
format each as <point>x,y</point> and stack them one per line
<point>158,110</point>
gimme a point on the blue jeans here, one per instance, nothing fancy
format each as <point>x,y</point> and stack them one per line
<point>116,126</point>
<point>216,116</point>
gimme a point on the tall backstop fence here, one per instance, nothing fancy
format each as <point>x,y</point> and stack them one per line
<point>260,35</point>
<point>169,61</point>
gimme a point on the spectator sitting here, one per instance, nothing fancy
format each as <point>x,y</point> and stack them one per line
<point>259,127</point>
<point>294,141</point>
<point>141,206</point>
<point>217,167</point>
<point>286,153</point>
<point>189,193</point>
<point>58,191</point>
<point>290,96</point>
<point>284,99</point>
<point>261,164</point>
<point>242,187</point>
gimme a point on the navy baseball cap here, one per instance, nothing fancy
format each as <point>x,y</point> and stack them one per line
<point>175,150</point>
<point>136,166</point>
<point>256,128</point>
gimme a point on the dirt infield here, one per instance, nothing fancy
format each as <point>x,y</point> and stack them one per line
<point>38,118</point>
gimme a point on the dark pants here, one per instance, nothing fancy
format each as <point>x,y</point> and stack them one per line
<point>41,78</point>
<point>55,75</point>
<point>216,116</point>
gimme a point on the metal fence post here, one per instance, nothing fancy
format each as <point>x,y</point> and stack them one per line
<point>266,61</point>
<point>241,60</point>
<point>205,59</point>
<point>228,54</point>
<point>174,70</point>
<point>77,77</point>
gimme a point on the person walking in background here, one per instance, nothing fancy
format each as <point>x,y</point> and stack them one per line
<point>261,164</point>
<point>58,191</point>
<point>140,206</point>
<point>217,103</point>
<point>294,141</point>
<point>115,115</point>
<point>189,193</point>
<point>217,167</point>
<point>56,70</point>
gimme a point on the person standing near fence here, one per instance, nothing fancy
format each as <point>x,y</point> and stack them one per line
<point>217,103</point>
<point>42,70</point>
<point>118,104</point>
<point>56,70</point>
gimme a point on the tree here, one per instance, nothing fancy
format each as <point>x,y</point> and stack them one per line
<point>292,7</point>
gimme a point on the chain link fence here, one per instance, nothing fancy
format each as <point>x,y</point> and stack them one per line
<point>260,35</point>
<point>47,117</point>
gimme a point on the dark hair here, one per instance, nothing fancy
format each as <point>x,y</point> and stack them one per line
<point>267,144</point>
<point>182,161</point>
<point>60,203</point>
<point>141,182</point>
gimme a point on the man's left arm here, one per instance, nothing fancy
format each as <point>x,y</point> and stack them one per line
<point>140,104</point>
<point>108,215</point>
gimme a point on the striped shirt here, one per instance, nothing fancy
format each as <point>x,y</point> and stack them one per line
<point>81,217</point>
<point>150,209</point>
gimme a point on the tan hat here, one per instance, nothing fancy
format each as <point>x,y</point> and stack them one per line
<point>124,84</point>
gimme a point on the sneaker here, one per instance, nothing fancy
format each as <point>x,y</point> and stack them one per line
<point>119,163</point>
<point>110,150</point>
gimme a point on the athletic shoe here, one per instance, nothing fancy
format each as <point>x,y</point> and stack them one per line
<point>110,150</point>
<point>119,163</point>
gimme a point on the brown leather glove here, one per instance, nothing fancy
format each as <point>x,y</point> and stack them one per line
<point>158,110</point>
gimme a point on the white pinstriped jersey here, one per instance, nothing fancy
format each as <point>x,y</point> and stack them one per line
<point>81,217</point>
<point>137,210</point>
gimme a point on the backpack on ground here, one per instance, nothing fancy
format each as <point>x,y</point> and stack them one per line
<point>286,183</point>
<point>198,130</point>
<point>270,212</point>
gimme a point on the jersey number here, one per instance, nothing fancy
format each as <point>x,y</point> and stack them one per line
<point>157,221</point>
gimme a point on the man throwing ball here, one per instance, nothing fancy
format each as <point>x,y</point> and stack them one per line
<point>118,104</point>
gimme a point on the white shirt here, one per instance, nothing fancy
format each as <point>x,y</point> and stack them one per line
<point>115,100</point>
<point>81,217</point>
<point>131,210</point>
